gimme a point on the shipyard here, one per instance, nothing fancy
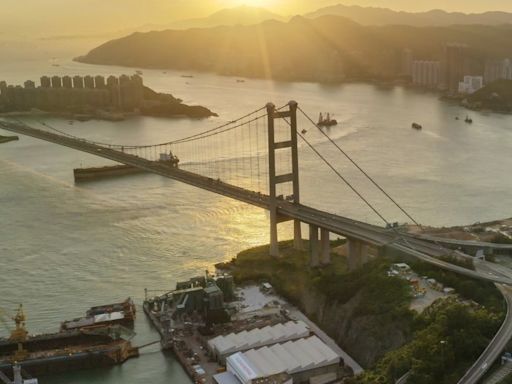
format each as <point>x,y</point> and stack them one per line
<point>99,339</point>
<point>226,335</point>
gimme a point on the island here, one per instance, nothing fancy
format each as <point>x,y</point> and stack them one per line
<point>85,98</point>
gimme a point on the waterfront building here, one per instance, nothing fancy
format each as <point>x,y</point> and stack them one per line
<point>426,73</point>
<point>497,70</point>
<point>46,82</point>
<point>89,82</point>
<point>99,81</point>
<point>454,65</point>
<point>67,82</point>
<point>112,81</point>
<point>124,80</point>
<point>78,82</point>
<point>29,84</point>
<point>223,346</point>
<point>56,82</point>
<point>131,92</point>
<point>407,62</point>
<point>307,360</point>
<point>75,93</point>
<point>471,84</point>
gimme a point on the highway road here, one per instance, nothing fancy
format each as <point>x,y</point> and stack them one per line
<point>495,348</point>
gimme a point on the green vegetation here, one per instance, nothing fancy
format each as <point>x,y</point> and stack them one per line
<point>483,293</point>
<point>501,239</point>
<point>365,309</point>
<point>496,96</point>
<point>448,338</point>
<point>6,139</point>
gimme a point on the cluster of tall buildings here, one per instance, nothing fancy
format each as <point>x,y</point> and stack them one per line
<point>457,71</point>
<point>74,93</point>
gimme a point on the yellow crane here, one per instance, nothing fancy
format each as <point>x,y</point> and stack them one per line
<point>19,334</point>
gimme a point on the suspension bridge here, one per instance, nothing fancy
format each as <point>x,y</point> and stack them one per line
<point>255,159</point>
<point>266,175</point>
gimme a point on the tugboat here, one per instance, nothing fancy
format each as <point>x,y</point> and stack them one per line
<point>417,126</point>
<point>326,121</point>
<point>468,120</point>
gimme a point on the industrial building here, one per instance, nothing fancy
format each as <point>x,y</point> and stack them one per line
<point>307,360</point>
<point>223,346</point>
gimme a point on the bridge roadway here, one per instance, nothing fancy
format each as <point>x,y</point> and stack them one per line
<point>423,250</point>
<point>353,229</point>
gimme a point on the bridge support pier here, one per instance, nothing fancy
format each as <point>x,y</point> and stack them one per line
<point>314,246</point>
<point>326,247</point>
<point>274,242</point>
<point>297,236</point>
<point>358,254</point>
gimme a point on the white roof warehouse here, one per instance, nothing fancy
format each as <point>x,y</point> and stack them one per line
<point>305,360</point>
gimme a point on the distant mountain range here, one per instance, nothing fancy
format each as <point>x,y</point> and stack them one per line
<point>384,16</point>
<point>328,48</point>
<point>243,15</point>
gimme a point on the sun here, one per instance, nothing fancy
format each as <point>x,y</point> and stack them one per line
<point>254,3</point>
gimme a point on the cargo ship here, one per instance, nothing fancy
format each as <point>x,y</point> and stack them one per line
<point>88,174</point>
<point>39,355</point>
<point>110,314</point>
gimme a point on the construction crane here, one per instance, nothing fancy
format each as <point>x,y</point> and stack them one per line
<point>18,334</point>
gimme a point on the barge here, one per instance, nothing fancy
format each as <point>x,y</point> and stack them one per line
<point>119,313</point>
<point>95,173</point>
<point>63,351</point>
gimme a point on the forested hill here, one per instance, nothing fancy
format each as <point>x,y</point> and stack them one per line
<point>328,48</point>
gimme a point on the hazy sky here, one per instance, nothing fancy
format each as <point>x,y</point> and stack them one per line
<point>51,17</point>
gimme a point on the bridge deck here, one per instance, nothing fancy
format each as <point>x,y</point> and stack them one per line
<point>353,229</point>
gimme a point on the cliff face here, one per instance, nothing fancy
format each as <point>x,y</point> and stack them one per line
<point>365,337</point>
<point>365,311</point>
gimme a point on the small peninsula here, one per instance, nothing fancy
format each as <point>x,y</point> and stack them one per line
<point>86,98</point>
<point>496,97</point>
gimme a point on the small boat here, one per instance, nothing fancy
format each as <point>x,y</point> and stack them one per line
<point>139,72</point>
<point>187,76</point>
<point>468,120</point>
<point>417,126</point>
<point>326,121</point>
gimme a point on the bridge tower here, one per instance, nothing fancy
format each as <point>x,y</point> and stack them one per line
<point>275,179</point>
